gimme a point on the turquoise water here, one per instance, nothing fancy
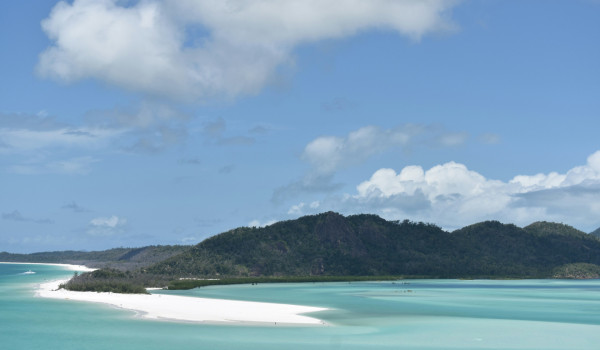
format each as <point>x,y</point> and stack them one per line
<point>417,314</point>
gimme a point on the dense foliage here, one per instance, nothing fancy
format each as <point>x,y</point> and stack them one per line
<point>105,280</point>
<point>326,246</point>
<point>120,258</point>
<point>577,271</point>
<point>596,233</point>
<point>194,283</point>
<point>330,244</point>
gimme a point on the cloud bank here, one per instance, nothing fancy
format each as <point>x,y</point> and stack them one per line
<point>201,49</point>
<point>327,155</point>
<point>451,195</point>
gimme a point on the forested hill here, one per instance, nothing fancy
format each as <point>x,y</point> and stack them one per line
<point>596,233</point>
<point>330,244</point>
<point>121,258</point>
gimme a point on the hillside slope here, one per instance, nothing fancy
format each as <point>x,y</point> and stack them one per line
<point>330,244</point>
<point>121,258</point>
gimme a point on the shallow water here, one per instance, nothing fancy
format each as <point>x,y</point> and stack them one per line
<point>417,314</point>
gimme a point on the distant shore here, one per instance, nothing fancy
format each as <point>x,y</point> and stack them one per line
<point>182,308</point>
<point>71,267</point>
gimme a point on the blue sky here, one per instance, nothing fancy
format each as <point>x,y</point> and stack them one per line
<point>129,123</point>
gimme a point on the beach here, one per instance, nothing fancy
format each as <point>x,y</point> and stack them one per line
<point>436,314</point>
<point>186,309</point>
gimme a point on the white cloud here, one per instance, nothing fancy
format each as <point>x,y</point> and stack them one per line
<point>329,154</point>
<point>110,222</point>
<point>257,223</point>
<point>298,208</point>
<point>148,46</point>
<point>106,226</point>
<point>451,195</point>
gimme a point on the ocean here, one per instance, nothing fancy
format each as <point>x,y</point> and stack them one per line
<point>408,314</point>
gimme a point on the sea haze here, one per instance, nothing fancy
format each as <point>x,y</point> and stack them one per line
<point>410,314</point>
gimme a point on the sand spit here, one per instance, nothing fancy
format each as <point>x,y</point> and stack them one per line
<point>191,309</point>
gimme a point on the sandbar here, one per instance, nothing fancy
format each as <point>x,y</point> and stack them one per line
<point>191,309</point>
<point>183,308</point>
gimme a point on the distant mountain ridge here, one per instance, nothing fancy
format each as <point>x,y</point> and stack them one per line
<point>122,258</point>
<point>330,244</point>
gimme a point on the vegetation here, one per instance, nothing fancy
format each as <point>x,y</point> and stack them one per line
<point>326,246</point>
<point>544,228</point>
<point>596,233</point>
<point>577,271</point>
<point>119,258</point>
<point>330,244</point>
<point>194,283</point>
<point>105,280</point>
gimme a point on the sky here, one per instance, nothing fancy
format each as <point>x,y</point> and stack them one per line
<point>133,123</point>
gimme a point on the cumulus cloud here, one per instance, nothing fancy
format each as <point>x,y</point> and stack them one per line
<point>326,155</point>
<point>257,223</point>
<point>202,49</point>
<point>15,215</point>
<point>297,209</point>
<point>451,195</point>
<point>106,226</point>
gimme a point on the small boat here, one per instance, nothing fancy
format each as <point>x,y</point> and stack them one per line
<point>29,272</point>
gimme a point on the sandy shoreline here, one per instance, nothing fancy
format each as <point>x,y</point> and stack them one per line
<point>190,309</point>
<point>182,308</point>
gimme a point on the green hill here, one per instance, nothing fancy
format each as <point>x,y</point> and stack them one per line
<point>577,271</point>
<point>325,244</point>
<point>596,233</point>
<point>122,258</point>
<point>330,244</point>
<point>544,228</point>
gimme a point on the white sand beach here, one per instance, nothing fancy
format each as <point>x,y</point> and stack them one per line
<point>181,308</point>
<point>191,309</point>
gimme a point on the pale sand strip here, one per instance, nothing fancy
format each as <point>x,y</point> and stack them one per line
<point>160,306</point>
<point>180,308</point>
